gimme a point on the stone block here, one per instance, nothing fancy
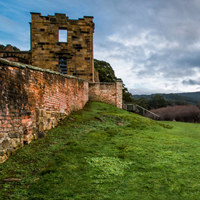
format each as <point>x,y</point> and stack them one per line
<point>2,135</point>
<point>49,124</point>
<point>10,152</point>
<point>3,158</point>
<point>37,113</point>
<point>57,116</point>
<point>53,114</point>
<point>5,144</point>
<point>2,152</point>
<point>41,126</point>
<point>33,129</point>
<point>43,113</point>
<point>40,119</point>
<point>45,122</point>
<point>48,114</point>
<point>40,135</point>
<point>16,143</point>
<point>14,135</point>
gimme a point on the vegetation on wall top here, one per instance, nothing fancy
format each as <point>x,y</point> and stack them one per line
<point>2,47</point>
<point>106,72</point>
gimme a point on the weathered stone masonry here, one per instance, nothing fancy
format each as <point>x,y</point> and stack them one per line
<point>33,100</point>
<point>77,50</point>
<point>110,93</point>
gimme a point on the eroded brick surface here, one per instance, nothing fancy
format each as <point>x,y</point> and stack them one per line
<point>33,100</point>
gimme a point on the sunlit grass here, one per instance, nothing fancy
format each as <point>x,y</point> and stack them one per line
<point>102,152</point>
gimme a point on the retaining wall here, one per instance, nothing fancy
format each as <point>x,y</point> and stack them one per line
<point>33,100</point>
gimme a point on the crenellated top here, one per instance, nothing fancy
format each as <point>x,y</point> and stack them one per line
<point>58,18</point>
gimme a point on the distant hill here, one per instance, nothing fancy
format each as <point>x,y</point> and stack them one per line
<point>191,97</point>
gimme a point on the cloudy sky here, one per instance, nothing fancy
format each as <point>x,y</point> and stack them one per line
<point>153,45</point>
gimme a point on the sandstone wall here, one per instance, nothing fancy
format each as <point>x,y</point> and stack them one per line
<point>110,93</point>
<point>33,100</point>
<point>77,50</point>
<point>96,76</point>
<point>16,56</point>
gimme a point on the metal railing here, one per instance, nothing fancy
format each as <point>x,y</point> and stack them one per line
<point>132,107</point>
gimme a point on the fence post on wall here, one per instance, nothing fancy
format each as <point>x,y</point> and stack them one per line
<point>119,93</point>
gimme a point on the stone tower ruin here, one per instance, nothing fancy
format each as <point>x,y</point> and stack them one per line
<point>61,44</point>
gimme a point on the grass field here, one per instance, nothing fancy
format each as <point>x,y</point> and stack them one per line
<point>102,152</point>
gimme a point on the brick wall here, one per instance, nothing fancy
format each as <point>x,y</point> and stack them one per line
<point>110,93</point>
<point>33,100</point>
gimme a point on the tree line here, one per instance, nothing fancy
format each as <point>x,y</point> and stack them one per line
<point>189,97</point>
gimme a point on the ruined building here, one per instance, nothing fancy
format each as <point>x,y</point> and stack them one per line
<point>60,44</point>
<point>34,100</point>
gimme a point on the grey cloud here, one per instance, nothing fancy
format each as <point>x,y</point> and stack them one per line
<point>170,63</point>
<point>191,82</point>
<point>172,18</point>
<point>191,59</point>
<point>151,91</point>
<point>166,68</point>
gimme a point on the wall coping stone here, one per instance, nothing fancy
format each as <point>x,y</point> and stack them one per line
<point>25,66</point>
<point>107,83</point>
<point>20,52</point>
<point>88,16</point>
<point>104,83</point>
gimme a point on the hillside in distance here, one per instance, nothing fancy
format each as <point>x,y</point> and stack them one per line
<point>191,97</point>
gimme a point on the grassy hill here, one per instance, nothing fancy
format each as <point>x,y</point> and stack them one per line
<point>191,97</point>
<point>102,152</point>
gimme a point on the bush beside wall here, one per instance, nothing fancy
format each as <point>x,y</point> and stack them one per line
<point>188,113</point>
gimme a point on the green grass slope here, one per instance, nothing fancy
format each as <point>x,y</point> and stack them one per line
<point>102,152</point>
